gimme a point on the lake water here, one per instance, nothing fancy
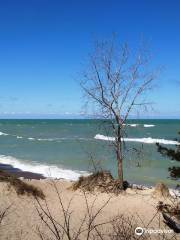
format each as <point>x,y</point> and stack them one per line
<point>63,148</point>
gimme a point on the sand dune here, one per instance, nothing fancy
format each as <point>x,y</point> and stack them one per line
<point>23,219</point>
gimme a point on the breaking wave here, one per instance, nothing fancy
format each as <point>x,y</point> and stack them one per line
<point>149,125</point>
<point>18,137</point>
<point>59,139</point>
<point>148,140</point>
<point>3,134</point>
<point>136,125</point>
<point>31,138</point>
<point>131,125</point>
<point>50,171</point>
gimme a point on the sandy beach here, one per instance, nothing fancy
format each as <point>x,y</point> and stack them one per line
<point>23,222</point>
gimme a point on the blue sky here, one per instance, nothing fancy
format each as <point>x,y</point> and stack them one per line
<point>43,44</point>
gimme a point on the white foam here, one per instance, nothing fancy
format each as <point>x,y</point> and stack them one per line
<point>53,139</point>
<point>133,125</point>
<point>47,139</point>
<point>149,125</point>
<point>3,134</point>
<point>136,125</point>
<point>105,138</point>
<point>60,139</point>
<point>50,171</point>
<point>19,137</point>
<point>30,138</point>
<point>148,140</point>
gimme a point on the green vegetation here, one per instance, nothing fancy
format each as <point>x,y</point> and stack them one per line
<point>173,154</point>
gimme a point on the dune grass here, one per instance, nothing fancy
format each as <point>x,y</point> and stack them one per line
<point>21,187</point>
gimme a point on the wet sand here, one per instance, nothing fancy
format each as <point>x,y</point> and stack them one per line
<point>19,173</point>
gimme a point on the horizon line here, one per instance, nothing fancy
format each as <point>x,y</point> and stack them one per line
<point>86,118</point>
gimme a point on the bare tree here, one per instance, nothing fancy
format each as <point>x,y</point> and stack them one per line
<point>115,84</point>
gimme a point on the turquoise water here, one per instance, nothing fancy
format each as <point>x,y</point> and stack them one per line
<point>62,148</point>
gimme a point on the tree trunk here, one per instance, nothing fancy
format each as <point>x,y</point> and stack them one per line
<point>119,155</point>
<point>120,166</point>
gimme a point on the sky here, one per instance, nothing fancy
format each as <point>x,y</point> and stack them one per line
<point>44,43</point>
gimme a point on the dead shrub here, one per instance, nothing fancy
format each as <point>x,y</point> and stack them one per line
<point>101,181</point>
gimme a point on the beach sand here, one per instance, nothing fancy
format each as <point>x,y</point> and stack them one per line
<point>23,221</point>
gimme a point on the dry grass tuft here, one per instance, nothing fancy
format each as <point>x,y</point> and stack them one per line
<point>101,181</point>
<point>21,187</point>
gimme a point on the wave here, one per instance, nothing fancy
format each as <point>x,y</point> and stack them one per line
<point>18,137</point>
<point>136,125</point>
<point>149,125</point>
<point>62,139</point>
<point>105,138</point>
<point>3,134</point>
<point>133,125</point>
<point>49,171</point>
<point>47,139</point>
<point>130,125</point>
<point>31,138</point>
<point>148,140</point>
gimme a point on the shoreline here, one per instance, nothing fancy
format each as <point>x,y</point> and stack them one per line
<point>27,175</point>
<point>20,173</point>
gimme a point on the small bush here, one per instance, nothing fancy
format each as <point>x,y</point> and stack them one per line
<point>101,181</point>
